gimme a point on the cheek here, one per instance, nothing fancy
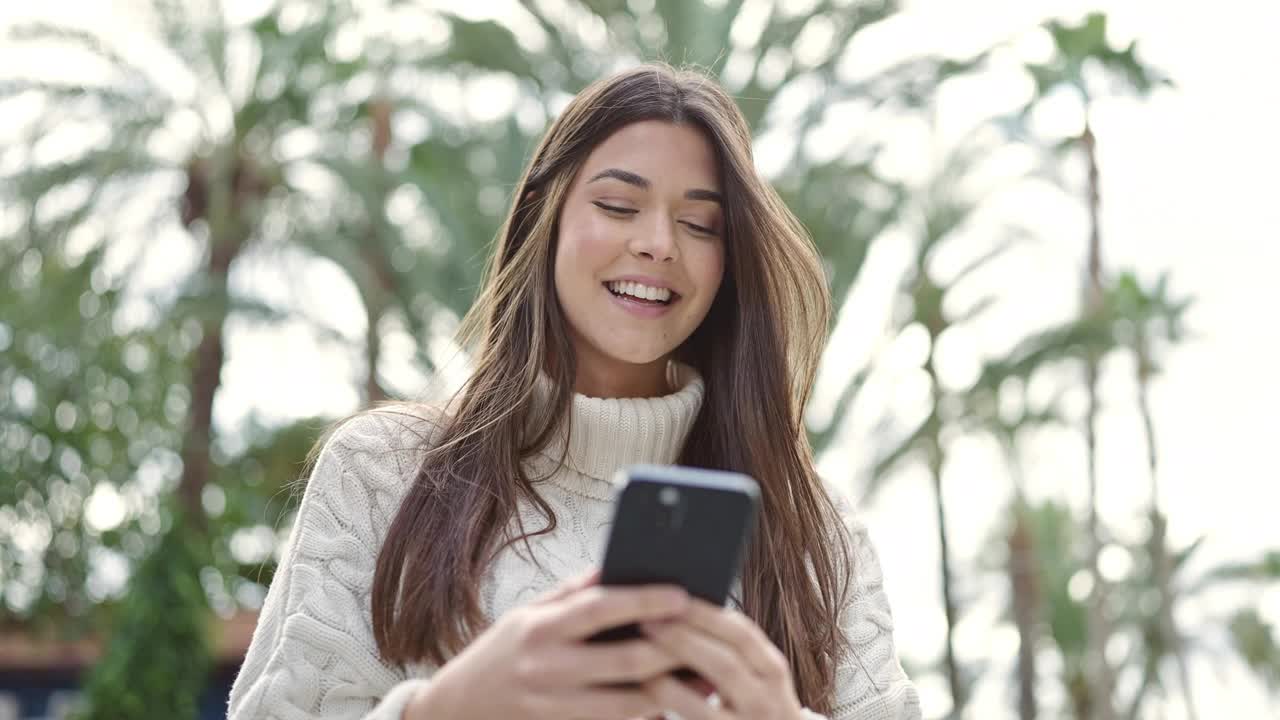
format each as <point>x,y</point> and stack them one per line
<point>583,249</point>
<point>707,269</point>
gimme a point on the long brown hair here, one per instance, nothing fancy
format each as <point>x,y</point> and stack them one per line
<point>757,350</point>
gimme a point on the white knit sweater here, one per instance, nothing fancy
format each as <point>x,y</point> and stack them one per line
<point>313,654</point>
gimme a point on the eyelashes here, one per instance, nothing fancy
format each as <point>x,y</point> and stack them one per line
<point>628,212</point>
<point>610,208</point>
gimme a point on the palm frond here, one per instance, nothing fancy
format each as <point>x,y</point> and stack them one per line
<point>1255,640</point>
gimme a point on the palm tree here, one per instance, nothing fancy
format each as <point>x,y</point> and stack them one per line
<point>1077,49</point>
<point>945,208</point>
<point>232,178</point>
<point>1024,587</point>
<point>1040,545</point>
<point>235,174</point>
<point>1152,317</point>
<point>1060,556</point>
<point>1022,567</point>
<point>1238,636</point>
<point>1130,317</point>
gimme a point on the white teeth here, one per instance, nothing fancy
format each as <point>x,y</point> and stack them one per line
<point>644,292</point>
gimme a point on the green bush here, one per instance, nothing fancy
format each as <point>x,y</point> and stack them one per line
<point>158,658</point>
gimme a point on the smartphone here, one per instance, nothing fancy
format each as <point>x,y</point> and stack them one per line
<point>678,525</point>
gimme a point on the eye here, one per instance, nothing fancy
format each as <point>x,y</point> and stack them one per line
<point>700,230</point>
<point>627,212</point>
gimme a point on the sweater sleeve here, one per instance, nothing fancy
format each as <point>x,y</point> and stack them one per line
<point>870,681</point>
<point>313,654</point>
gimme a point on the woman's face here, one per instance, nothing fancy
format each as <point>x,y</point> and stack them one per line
<point>639,255</point>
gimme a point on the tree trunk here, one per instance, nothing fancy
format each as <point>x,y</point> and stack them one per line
<point>373,391</point>
<point>1078,690</point>
<point>217,193</point>
<point>1024,579</point>
<point>382,278</point>
<point>206,376</point>
<point>1097,667</point>
<point>959,694</point>
<point>929,313</point>
<point>1026,601</point>
<point>1159,549</point>
<point>1099,632</point>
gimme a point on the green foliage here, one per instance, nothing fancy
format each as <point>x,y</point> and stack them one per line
<point>1256,640</point>
<point>158,659</point>
<point>1144,317</point>
<point>258,486</point>
<point>486,44</point>
<point>1057,541</point>
<point>87,405</point>
<point>1077,46</point>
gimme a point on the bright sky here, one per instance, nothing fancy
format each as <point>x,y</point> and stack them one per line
<point>1187,179</point>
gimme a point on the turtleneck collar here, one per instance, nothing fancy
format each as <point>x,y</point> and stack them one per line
<point>605,434</point>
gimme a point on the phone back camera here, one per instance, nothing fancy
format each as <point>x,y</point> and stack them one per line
<point>670,514</point>
<point>669,496</point>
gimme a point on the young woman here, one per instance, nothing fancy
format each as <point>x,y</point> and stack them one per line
<point>650,299</point>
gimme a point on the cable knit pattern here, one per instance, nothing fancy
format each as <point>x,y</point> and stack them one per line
<point>871,684</point>
<point>313,654</point>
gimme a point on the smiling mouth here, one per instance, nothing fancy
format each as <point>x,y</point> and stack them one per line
<point>641,294</point>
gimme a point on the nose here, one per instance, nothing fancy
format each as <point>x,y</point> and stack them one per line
<point>656,243</point>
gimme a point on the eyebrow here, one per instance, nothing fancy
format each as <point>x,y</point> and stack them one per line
<point>643,183</point>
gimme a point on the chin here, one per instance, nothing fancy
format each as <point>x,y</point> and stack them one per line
<point>640,357</point>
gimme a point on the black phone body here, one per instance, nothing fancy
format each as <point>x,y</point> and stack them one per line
<point>681,526</point>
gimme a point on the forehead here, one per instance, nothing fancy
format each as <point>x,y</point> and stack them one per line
<point>662,152</point>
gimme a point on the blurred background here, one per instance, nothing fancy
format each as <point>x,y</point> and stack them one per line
<point>1050,229</point>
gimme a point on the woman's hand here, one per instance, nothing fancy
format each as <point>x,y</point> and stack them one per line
<point>751,675</point>
<point>534,662</point>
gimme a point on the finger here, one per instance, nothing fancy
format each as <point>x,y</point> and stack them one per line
<point>599,608</point>
<point>743,635</point>
<point>570,586</point>
<point>671,694</point>
<point>608,704</point>
<point>700,686</point>
<point>714,660</point>
<point>613,662</point>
